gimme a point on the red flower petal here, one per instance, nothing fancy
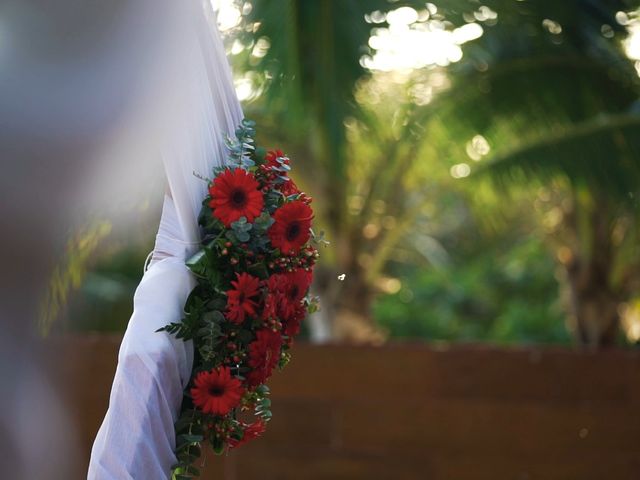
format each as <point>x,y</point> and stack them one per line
<point>250,432</point>
<point>272,156</point>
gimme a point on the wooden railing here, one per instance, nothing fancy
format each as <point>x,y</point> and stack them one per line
<point>414,412</point>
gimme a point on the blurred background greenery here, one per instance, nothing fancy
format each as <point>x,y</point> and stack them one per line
<point>474,163</point>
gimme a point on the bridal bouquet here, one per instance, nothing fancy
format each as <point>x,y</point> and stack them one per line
<point>253,276</point>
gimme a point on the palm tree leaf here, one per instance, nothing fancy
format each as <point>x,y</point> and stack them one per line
<point>603,153</point>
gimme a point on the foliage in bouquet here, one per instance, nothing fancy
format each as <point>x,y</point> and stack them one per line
<point>253,276</point>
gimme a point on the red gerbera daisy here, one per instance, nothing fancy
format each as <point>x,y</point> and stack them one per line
<point>291,229</point>
<point>234,194</point>
<point>277,283</point>
<point>289,288</point>
<point>293,285</point>
<point>250,432</point>
<point>216,391</point>
<point>296,284</point>
<point>264,353</point>
<point>240,302</point>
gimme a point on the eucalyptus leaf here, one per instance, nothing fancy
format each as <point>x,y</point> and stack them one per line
<point>243,236</point>
<point>213,316</point>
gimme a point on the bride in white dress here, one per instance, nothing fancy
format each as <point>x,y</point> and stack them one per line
<point>136,439</point>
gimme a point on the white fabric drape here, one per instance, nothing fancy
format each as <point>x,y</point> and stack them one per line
<point>136,439</point>
<point>206,109</point>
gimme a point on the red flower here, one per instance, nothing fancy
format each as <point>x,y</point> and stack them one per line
<point>234,194</point>
<point>272,156</point>
<point>270,308</point>
<point>296,284</point>
<point>250,432</point>
<point>288,187</point>
<point>293,285</point>
<point>264,354</point>
<point>293,321</point>
<point>216,391</point>
<point>291,229</point>
<point>240,299</point>
<point>289,288</point>
<point>277,283</point>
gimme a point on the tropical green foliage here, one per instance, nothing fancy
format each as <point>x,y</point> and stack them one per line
<point>547,86</point>
<point>497,192</point>
<point>506,295</point>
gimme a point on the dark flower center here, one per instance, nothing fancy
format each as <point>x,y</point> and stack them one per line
<point>238,198</point>
<point>216,390</point>
<point>293,291</point>
<point>293,231</point>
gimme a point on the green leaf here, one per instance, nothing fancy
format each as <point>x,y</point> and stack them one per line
<point>215,316</point>
<point>183,423</point>
<point>217,303</point>
<point>179,476</point>
<point>218,446</point>
<point>603,152</point>
<point>263,222</point>
<point>259,154</point>
<point>197,263</point>
<point>259,270</point>
<point>245,336</point>
<point>243,236</point>
<point>187,439</point>
<point>264,414</point>
<point>190,469</point>
<point>262,390</point>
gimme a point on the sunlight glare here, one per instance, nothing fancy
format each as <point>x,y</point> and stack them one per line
<point>229,14</point>
<point>477,148</point>
<point>244,89</point>
<point>632,42</point>
<point>402,16</point>
<point>410,43</point>
<point>460,170</point>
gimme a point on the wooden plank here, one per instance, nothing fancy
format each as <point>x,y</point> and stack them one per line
<point>319,464</point>
<point>553,376</point>
<point>457,427</point>
<point>412,411</point>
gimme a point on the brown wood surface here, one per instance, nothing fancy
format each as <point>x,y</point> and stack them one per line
<point>413,412</point>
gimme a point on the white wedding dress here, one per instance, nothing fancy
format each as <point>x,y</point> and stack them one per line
<point>136,439</point>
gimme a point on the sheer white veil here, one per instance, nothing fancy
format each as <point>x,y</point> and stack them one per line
<point>205,110</point>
